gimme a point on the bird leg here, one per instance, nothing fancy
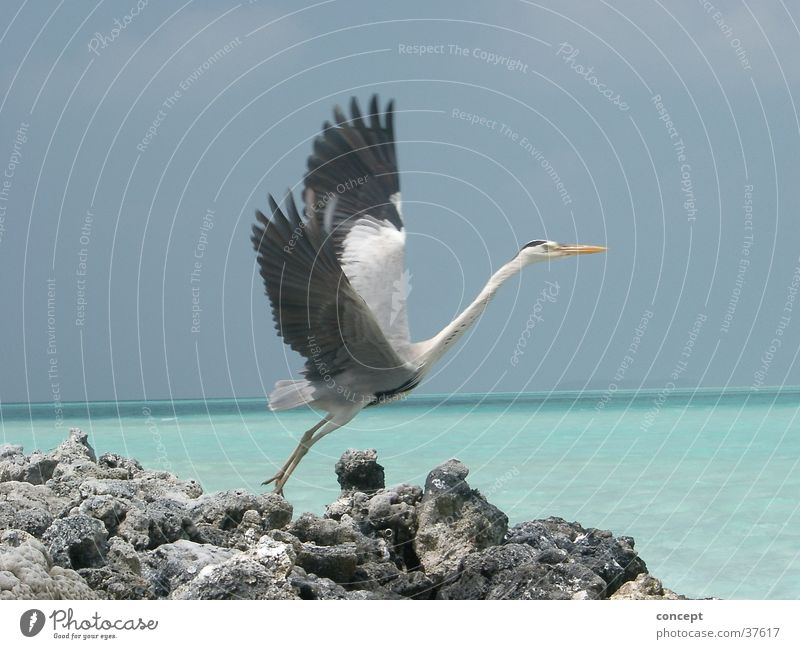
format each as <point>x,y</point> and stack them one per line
<point>305,440</point>
<point>302,449</point>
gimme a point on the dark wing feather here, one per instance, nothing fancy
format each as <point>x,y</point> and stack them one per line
<point>315,308</point>
<point>354,168</point>
<point>352,196</point>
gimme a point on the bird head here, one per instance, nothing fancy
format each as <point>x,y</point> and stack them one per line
<point>541,250</point>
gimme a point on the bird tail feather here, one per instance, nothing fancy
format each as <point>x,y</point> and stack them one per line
<point>290,394</point>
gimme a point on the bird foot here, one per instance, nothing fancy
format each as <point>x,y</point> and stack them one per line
<point>279,482</point>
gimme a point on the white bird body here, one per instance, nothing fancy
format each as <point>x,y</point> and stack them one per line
<point>338,285</point>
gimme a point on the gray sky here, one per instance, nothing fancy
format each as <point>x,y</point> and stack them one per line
<point>671,128</point>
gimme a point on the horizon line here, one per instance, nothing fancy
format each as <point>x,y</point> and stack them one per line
<point>537,393</point>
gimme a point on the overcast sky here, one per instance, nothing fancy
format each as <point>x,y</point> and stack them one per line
<point>137,140</point>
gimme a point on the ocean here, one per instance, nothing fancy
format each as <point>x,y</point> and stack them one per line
<point>706,481</point>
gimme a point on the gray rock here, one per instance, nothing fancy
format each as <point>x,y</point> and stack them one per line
<point>350,503</point>
<point>27,571</point>
<point>170,520</point>
<point>513,571</point>
<point>156,485</point>
<point>77,469</point>
<point>322,531</point>
<point>113,583</point>
<point>28,507</point>
<point>135,529</point>
<point>448,479</point>
<point>328,532</point>
<point>33,521</point>
<point>336,562</point>
<point>123,489</point>
<point>12,463</point>
<point>239,578</point>
<point>374,575</point>
<point>116,461</point>
<point>339,550</point>
<point>77,542</point>
<point>386,578</point>
<point>282,536</point>
<point>260,573</point>
<point>134,533</point>
<point>74,449</point>
<point>123,556</point>
<point>393,514</point>
<point>225,510</point>
<point>388,514</point>
<point>547,533</point>
<point>70,473</point>
<point>174,564</point>
<point>15,466</point>
<point>39,468</point>
<point>412,585</point>
<point>645,587</point>
<point>310,586</point>
<point>108,509</point>
<point>244,537</point>
<point>360,471</point>
<point>145,486</point>
<point>453,521</point>
<point>612,559</point>
<point>10,450</point>
<point>362,595</point>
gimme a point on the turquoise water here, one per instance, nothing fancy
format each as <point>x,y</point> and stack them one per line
<point>707,482</point>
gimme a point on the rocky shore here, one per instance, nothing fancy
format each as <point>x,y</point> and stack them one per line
<point>75,526</point>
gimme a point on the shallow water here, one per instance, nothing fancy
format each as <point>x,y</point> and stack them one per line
<point>706,482</point>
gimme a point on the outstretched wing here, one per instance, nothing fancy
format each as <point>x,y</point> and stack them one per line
<point>352,195</point>
<point>316,309</point>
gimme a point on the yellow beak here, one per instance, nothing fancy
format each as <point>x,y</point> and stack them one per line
<point>577,249</point>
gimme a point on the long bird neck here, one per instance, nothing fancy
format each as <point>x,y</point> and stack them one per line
<point>447,337</point>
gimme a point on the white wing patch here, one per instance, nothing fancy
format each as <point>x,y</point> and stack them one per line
<point>398,204</point>
<point>327,216</point>
<point>373,260</point>
<point>401,289</point>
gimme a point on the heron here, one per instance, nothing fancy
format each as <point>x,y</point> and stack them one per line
<point>336,280</point>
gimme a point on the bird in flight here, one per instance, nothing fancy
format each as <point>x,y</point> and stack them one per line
<point>336,279</point>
